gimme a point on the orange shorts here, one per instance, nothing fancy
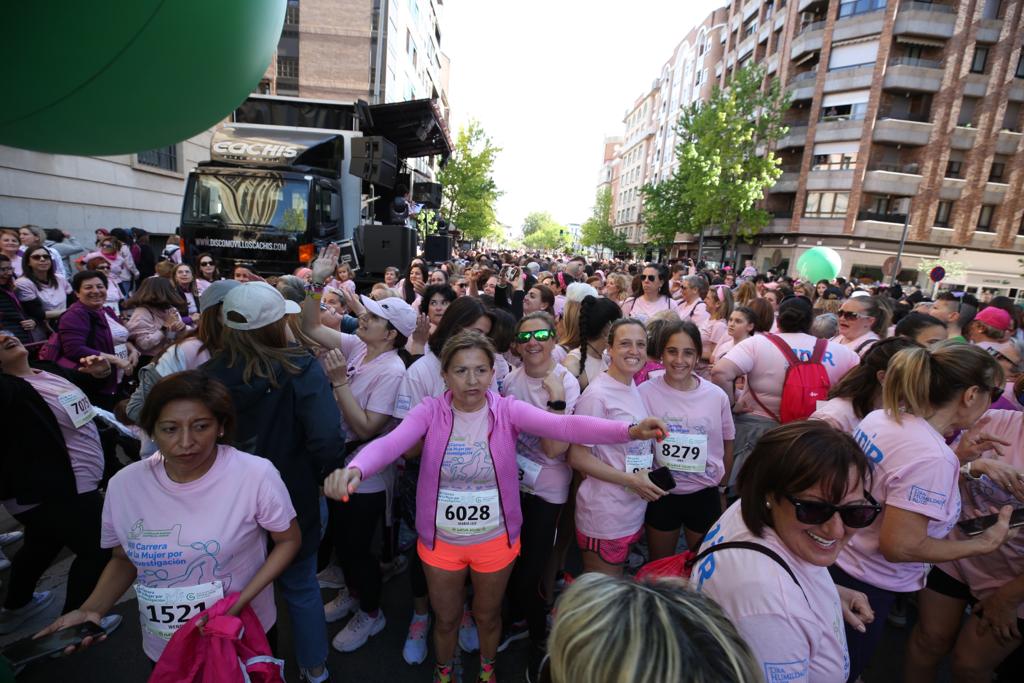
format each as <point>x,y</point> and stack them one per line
<point>487,557</point>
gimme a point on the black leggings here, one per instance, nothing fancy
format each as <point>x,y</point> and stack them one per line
<point>49,527</point>
<point>537,539</point>
<point>355,524</point>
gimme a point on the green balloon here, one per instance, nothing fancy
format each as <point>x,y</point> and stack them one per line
<point>819,263</point>
<point>121,76</point>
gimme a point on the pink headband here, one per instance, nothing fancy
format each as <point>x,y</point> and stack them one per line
<point>720,290</point>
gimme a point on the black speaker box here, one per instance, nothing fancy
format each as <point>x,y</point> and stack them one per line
<point>437,248</point>
<point>375,160</point>
<point>386,245</point>
<point>428,194</point>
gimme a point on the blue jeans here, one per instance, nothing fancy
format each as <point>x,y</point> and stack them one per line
<point>301,592</point>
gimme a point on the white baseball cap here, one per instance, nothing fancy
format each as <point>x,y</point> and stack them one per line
<point>215,293</point>
<point>400,314</point>
<point>255,305</point>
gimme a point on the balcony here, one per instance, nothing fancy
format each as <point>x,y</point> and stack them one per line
<point>1016,91</point>
<point>796,137</point>
<point>989,30</point>
<point>875,217</point>
<point>840,179</point>
<point>858,25</point>
<point>1008,142</point>
<point>901,131</point>
<point>836,131</point>
<point>809,40</point>
<point>963,137</point>
<point>746,46</point>
<point>925,19</point>
<point>901,180</point>
<point>789,179</point>
<point>952,188</point>
<point>801,86</point>
<point>849,78</point>
<point>909,74</point>
<point>994,193</point>
<point>809,5</point>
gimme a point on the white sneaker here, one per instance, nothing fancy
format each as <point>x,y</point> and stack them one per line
<point>340,607</point>
<point>11,537</point>
<point>415,649</point>
<point>11,619</point>
<point>331,577</point>
<point>469,639</point>
<point>358,630</point>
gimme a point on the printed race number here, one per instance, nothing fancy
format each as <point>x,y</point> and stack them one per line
<point>468,513</point>
<point>165,610</point>
<point>528,473</point>
<point>683,452</point>
<point>77,406</point>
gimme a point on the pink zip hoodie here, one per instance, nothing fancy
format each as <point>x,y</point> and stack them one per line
<point>432,421</point>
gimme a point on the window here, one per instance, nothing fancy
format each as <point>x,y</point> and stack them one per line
<point>849,8</point>
<point>844,112</point>
<point>853,56</point>
<point>287,67</point>
<point>1019,73</point>
<point>980,59</point>
<point>162,157</point>
<point>1020,228</point>
<point>826,204</point>
<point>967,108</point>
<point>942,214</point>
<point>995,174</point>
<point>985,217</point>
<point>954,169</point>
<point>839,161</point>
<point>750,27</point>
<point>1011,117</point>
<point>291,14</point>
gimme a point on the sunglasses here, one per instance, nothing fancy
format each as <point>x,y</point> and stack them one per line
<point>850,315</point>
<point>855,516</point>
<point>539,335</point>
<point>649,278</point>
<point>206,263</point>
<point>41,257</point>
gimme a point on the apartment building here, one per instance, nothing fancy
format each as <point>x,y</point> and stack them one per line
<point>902,112</point>
<point>635,167</point>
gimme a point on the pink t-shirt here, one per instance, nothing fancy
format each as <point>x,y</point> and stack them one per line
<point>704,415</point>
<point>839,413</point>
<point>539,474</point>
<point>642,309</point>
<point>714,332</point>
<point>53,298</point>
<point>211,529</point>
<point>765,367</point>
<point>721,349</point>
<point>797,635</point>
<point>860,345</point>
<point>696,313</point>
<point>421,379</point>
<point>467,468</point>
<point>605,510</point>
<point>374,386</point>
<point>983,574</point>
<point>914,470</point>
<point>558,353</point>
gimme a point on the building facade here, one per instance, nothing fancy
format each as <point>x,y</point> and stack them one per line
<point>902,112</point>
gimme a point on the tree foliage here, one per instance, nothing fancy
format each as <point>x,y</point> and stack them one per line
<point>598,230</point>
<point>541,231</point>
<point>469,188</point>
<point>724,162</point>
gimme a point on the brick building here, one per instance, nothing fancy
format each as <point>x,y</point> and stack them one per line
<point>901,111</point>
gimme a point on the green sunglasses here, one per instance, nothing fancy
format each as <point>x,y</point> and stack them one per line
<point>539,335</point>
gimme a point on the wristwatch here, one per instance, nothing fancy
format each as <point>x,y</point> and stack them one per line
<point>556,405</point>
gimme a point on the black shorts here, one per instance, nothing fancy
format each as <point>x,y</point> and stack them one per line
<point>944,584</point>
<point>697,511</point>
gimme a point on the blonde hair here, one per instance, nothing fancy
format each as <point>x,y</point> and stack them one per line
<point>569,325</point>
<point>611,630</point>
<point>920,381</point>
<point>622,283</point>
<point>262,351</point>
<point>746,293</point>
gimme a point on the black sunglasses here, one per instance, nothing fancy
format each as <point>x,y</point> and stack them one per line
<point>649,278</point>
<point>850,315</point>
<point>856,516</point>
<point>539,335</point>
<point>41,257</point>
<point>206,263</point>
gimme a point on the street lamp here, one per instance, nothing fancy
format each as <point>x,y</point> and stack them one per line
<point>903,241</point>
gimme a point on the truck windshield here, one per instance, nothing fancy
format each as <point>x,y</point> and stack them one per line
<point>250,200</point>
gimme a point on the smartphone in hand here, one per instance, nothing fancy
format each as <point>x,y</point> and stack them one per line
<point>662,478</point>
<point>975,525</point>
<point>28,650</point>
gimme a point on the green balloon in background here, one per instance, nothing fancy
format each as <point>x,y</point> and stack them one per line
<point>819,263</point>
<point>119,76</point>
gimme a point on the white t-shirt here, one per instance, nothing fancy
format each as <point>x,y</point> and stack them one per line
<point>765,367</point>
<point>914,470</point>
<point>839,413</point>
<point>797,635</point>
<point>547,478</point>
<point>605,510</point>
<point>703,415</point>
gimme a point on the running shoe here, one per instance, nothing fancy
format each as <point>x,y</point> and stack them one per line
<point>469,639</point>
<point>11,537</point>
<point>11,619</point>
<point>331,577</point>
<point>358,630</point>
<point>444,673</point>
<point>487,673</point>
<point>415,649</point>
<point>389,570</point>
<point>517,630</point>
<point>340,607</point>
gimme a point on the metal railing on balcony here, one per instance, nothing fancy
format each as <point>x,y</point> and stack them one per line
<point>858,7</point>
<point>813,26</point>
<point>916,117</point>
<point>927,7</point>
<point>911,168</point>
<point>915,61</point>
<point>804,76</point>
<point>881,217</point>
<point>849,67</point>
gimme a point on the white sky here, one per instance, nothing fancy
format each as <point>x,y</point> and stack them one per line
<point>549,79</point>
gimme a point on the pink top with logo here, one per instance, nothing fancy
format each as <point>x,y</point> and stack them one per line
<point>702,412</point>
<point>797,635</point>
<point>467,466</point>
<point>605,510</point>
<point>839,413</point>
<point>374,386</point>
<point>547,477</point>
<point>765,367</point>
<point>983,574</point>
<point>914,470</point>
<point>210,529</point>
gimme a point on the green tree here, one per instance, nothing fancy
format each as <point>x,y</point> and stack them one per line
<point>598,231</point>
<point>548,236</point>
<point>469,188</point>
<point>536,220</point>
<point>724,160</point>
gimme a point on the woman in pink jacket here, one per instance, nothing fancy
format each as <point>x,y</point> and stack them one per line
<point>156,320</point>
<point>468,514</point>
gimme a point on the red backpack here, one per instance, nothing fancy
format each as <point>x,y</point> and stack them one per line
<point>806,382</point>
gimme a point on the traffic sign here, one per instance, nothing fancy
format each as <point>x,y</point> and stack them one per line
<point>937,274</point>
